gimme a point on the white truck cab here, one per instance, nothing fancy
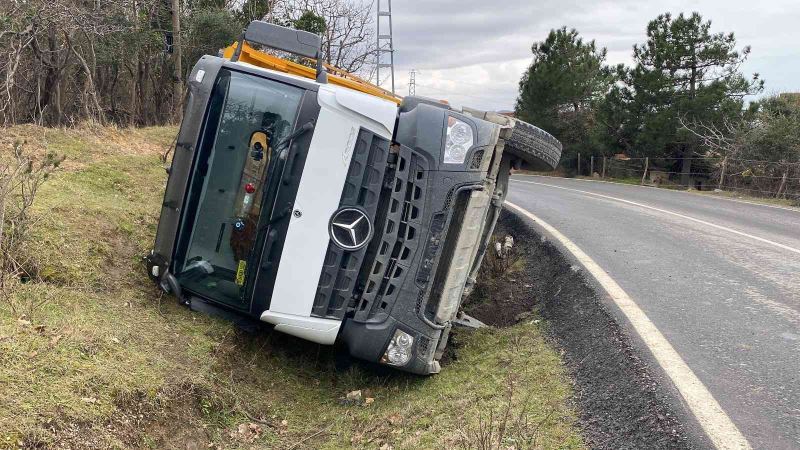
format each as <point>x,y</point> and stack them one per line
<point>330,213</point>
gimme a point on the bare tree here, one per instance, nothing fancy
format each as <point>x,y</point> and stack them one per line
<point>64,60</point>
<point>177,71</point>
<point>349,40</point>
<point>68,61</point>
<point>726,141</point>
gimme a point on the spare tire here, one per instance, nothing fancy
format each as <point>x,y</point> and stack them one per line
<point>533,145</point>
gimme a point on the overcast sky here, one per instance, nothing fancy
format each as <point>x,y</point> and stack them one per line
<point>473,52</point>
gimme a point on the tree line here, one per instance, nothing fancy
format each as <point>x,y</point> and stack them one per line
<point>124,61</point>
<point>683,103</point>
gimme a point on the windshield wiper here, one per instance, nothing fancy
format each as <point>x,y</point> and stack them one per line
<point>308,126</point>
<point>287,153</point>
<point>287,210</point>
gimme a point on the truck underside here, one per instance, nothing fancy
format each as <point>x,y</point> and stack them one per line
<point>331,213</point>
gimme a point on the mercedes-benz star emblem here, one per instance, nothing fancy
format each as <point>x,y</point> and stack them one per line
<point>350,228</point>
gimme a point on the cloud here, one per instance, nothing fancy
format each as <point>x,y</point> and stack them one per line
<point>473,52</point>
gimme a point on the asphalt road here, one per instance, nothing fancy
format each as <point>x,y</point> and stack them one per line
<point>719,278</point>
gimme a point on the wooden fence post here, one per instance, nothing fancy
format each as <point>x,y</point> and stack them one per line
<point>783,183</point>
<point>603,176</point>
<point>646,165</point>
<point>591,166</point>
<point>579,163</point>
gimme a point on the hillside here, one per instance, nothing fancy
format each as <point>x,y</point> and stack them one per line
<point>94,356</point>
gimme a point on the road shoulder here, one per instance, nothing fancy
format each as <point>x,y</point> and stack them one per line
<point>624,400</point>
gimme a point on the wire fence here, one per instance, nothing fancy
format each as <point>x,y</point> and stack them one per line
<point>757,178</point>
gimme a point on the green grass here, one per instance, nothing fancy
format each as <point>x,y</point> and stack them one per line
<point>749,198</point>
<point>792,203</point>
<point>724,194</point>
<point>95,356</point>
<point>628,180</point>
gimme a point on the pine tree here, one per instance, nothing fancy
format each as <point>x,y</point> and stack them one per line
<point>558,90</point>
<point>683,71</point>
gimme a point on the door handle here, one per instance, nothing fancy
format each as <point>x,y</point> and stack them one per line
<point>269,245</point>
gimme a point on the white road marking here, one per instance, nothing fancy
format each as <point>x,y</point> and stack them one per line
<point>672,191</point>
<point>682,216</point>
<point>714,421</point>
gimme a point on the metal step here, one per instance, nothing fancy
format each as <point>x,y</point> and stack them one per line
<point>467,321</point>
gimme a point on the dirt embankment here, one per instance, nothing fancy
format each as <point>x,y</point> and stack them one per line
<point>620,402</point>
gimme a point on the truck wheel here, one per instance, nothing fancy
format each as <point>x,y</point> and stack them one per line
<point>538,148</point>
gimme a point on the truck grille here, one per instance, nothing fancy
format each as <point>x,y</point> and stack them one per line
<point>362,188</point>
<point>397,238</point>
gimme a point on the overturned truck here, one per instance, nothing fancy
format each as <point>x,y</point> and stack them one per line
<point>325,206</point>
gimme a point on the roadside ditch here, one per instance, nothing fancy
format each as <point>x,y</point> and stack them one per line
<point>620,402</point>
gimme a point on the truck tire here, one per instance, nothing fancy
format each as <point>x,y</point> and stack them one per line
<point>538,148</point>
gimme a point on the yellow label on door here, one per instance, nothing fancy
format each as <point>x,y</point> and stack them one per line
<point>240,272</point>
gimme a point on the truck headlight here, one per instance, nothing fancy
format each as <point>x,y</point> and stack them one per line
<point>459,141</point>
<point>398,353</point>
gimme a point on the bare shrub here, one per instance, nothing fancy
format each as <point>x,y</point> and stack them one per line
<point>21,175</point>
<point>509,427</point>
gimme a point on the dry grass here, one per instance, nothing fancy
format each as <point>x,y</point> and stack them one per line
<point>105,360</point>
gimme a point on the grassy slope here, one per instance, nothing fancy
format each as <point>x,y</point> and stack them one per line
<point>106,361</point>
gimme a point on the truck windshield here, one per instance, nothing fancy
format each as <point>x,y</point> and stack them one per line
<point>247,116</point>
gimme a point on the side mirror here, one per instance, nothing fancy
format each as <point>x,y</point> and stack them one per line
<point>259,143</point>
